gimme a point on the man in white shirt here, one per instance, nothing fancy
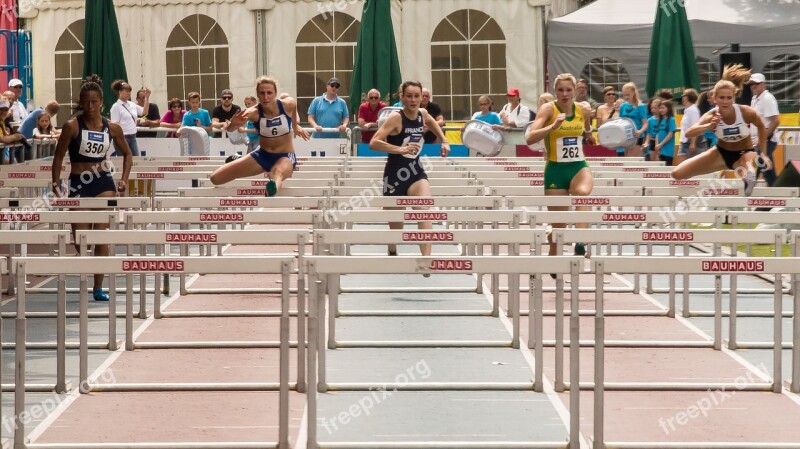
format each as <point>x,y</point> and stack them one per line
<point>18,109</point>
<point>691,115</point>
<point>514,114</point>
<point>766,106</point>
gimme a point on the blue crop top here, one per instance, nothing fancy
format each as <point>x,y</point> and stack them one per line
<point>88,145</point>
<point>273,127</point>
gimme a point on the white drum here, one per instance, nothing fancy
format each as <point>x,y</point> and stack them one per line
<point>617,133</point>
<point>480,136</point>
<point>385,113</point>
<point>194,141</point>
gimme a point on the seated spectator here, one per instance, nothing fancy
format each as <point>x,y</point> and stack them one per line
<point>151,120</point>
<point>485,113</point>
<point>221,115</point>
<point>514,114</point>
<point>19,111</point>
<point>7,136</point>
<point>28,126</point>
<point>44,128</point>
<point>173,118</point>
<point>368,115</point>
<point>196,116</point>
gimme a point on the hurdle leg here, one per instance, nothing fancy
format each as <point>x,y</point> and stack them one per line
<point>321,313</point>
<point>333,302</point>
<point>313,339</point>
<point>574,359</point>
<point>142,287</point>
<point>685,309</point>
<point>795,387</point>
<point>129,346</point>
<point>301,316</point>
<point>61,335</point>
<point>777,326</point>
<point>495,285</point>
<point>636,277</point>
<point>717,312</point>
<point>671,311</point>
<point>732,299</point>
<point>513,306</point>
<point>599,358</point>
<point>283,400</point>
<point>112,312</point>
<point>12,249</point>
<point>559,383</point>
<point>157,288</point>
<point>184,252</point>
<point>479,248</point>
<point>19,361</point>
<point>537,335</point>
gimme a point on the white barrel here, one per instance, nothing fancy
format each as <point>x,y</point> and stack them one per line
<point>237,138</point>
<point>538,146</point>
<point>617,133</point>
<point>194,141</point>
<point>480,136</point>
<point>385,113</point>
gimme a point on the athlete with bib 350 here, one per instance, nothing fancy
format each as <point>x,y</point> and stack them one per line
<point>87,138</point>
<point>273,123</point>
<point>563,124</point>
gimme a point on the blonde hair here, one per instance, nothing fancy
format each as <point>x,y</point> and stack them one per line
<point>734,76</point>
<point>263,79</point>
<point>565,77</point>
<point>631,85</point>
<point>546,97</point>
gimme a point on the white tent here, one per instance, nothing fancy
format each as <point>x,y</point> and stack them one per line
<point>622,29</point>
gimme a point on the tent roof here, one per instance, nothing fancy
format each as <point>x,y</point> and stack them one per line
<point>744,12</point>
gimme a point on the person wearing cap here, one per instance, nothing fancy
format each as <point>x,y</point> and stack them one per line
<point>221,115</point>
<point>19,109</point>
<point>514,114</point>
<point>126,113</point>
<point>329,111</point>
<point>7,136</point>
<point>368,115</point>
<point>766,106</point>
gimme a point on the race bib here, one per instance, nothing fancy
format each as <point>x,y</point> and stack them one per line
<point>414,138</point>
<point>274,127</point>
<point>569,149</point>
<point>94,144</point>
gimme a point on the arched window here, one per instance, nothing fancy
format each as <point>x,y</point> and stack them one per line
<point>783,80</point>
<point>197,60</point>
<point>602,72</point>
<point>69,68</point>
<point>325,48</point>
<point>468,59</point>
<point>708,71</point>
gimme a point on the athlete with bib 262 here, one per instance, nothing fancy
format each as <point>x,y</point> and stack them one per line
<point>87,138</point>
<point>273,123</point>
<point>563,124</point>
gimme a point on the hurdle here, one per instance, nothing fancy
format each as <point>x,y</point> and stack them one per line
<point>8,192</point>
<point>539,191</point>
<point>320,267</point>
<point>326,238</point>
<point>346,204</point>
<point>775,266</point>
<point>723,189</point>
<point>124,265</point>
<point>636,202</point>
<point>320,191</point>
<point>161,238</point>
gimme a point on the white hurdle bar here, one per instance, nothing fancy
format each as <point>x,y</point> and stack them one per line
<point>539,191</point>
<point>8,192</point>
<point>511,237</point>
<point>163,203</point>
<point>324,266</point>
<point>162,238</point>
<point>724,189</point>
<point>124,265</point>
<point>44,237</point>
<point>776,266</point>
<point>794,239</point>
<point>39,204</point>
<point>321,191</point>
<point>637,202</point>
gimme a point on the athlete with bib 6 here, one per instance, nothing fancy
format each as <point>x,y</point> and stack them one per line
<point>273,123</point>
<point>562,124</point>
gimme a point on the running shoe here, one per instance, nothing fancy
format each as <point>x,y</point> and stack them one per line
<point>232,158</point>
<point>99,295</point>
<point>272,188</point>
<point>580,249</point>
<point>749,182</point>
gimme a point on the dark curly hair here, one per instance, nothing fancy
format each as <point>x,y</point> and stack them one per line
<point>91,83</point>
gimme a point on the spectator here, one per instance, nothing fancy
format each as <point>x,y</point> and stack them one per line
<point>196,116</point>
<point>44,128</point>
<point>29,125</point>
<point>485,113</point>
<point>691,115</point>
<point>221,115</point>
<point>7,136</point>
<point>634,109</point>
<point>610,109</point>
<point>329,111</point>
<point>767,108</point>
<point>434,110</point>
<point>368,115</point>
<point>514,114</point>
<point>582,95</point>
<point>19,110</point>
<point>250,128</point>
<point>664,149</point>
<point>173,118</point>
<point>705,103</point>
<point>654,106</point>
<point>152,119</point>
<point>126,113</point>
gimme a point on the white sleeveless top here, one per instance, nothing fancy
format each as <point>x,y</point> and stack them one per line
<point>735,132</point>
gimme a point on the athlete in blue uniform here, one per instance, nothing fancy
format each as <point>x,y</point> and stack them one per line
<point>88,138</point>
<point>273,122</point>
<point>401,137</point>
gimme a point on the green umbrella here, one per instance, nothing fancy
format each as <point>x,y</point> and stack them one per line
<point>102,48</point>
<point>376,65</point>
<point>672,64</point>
